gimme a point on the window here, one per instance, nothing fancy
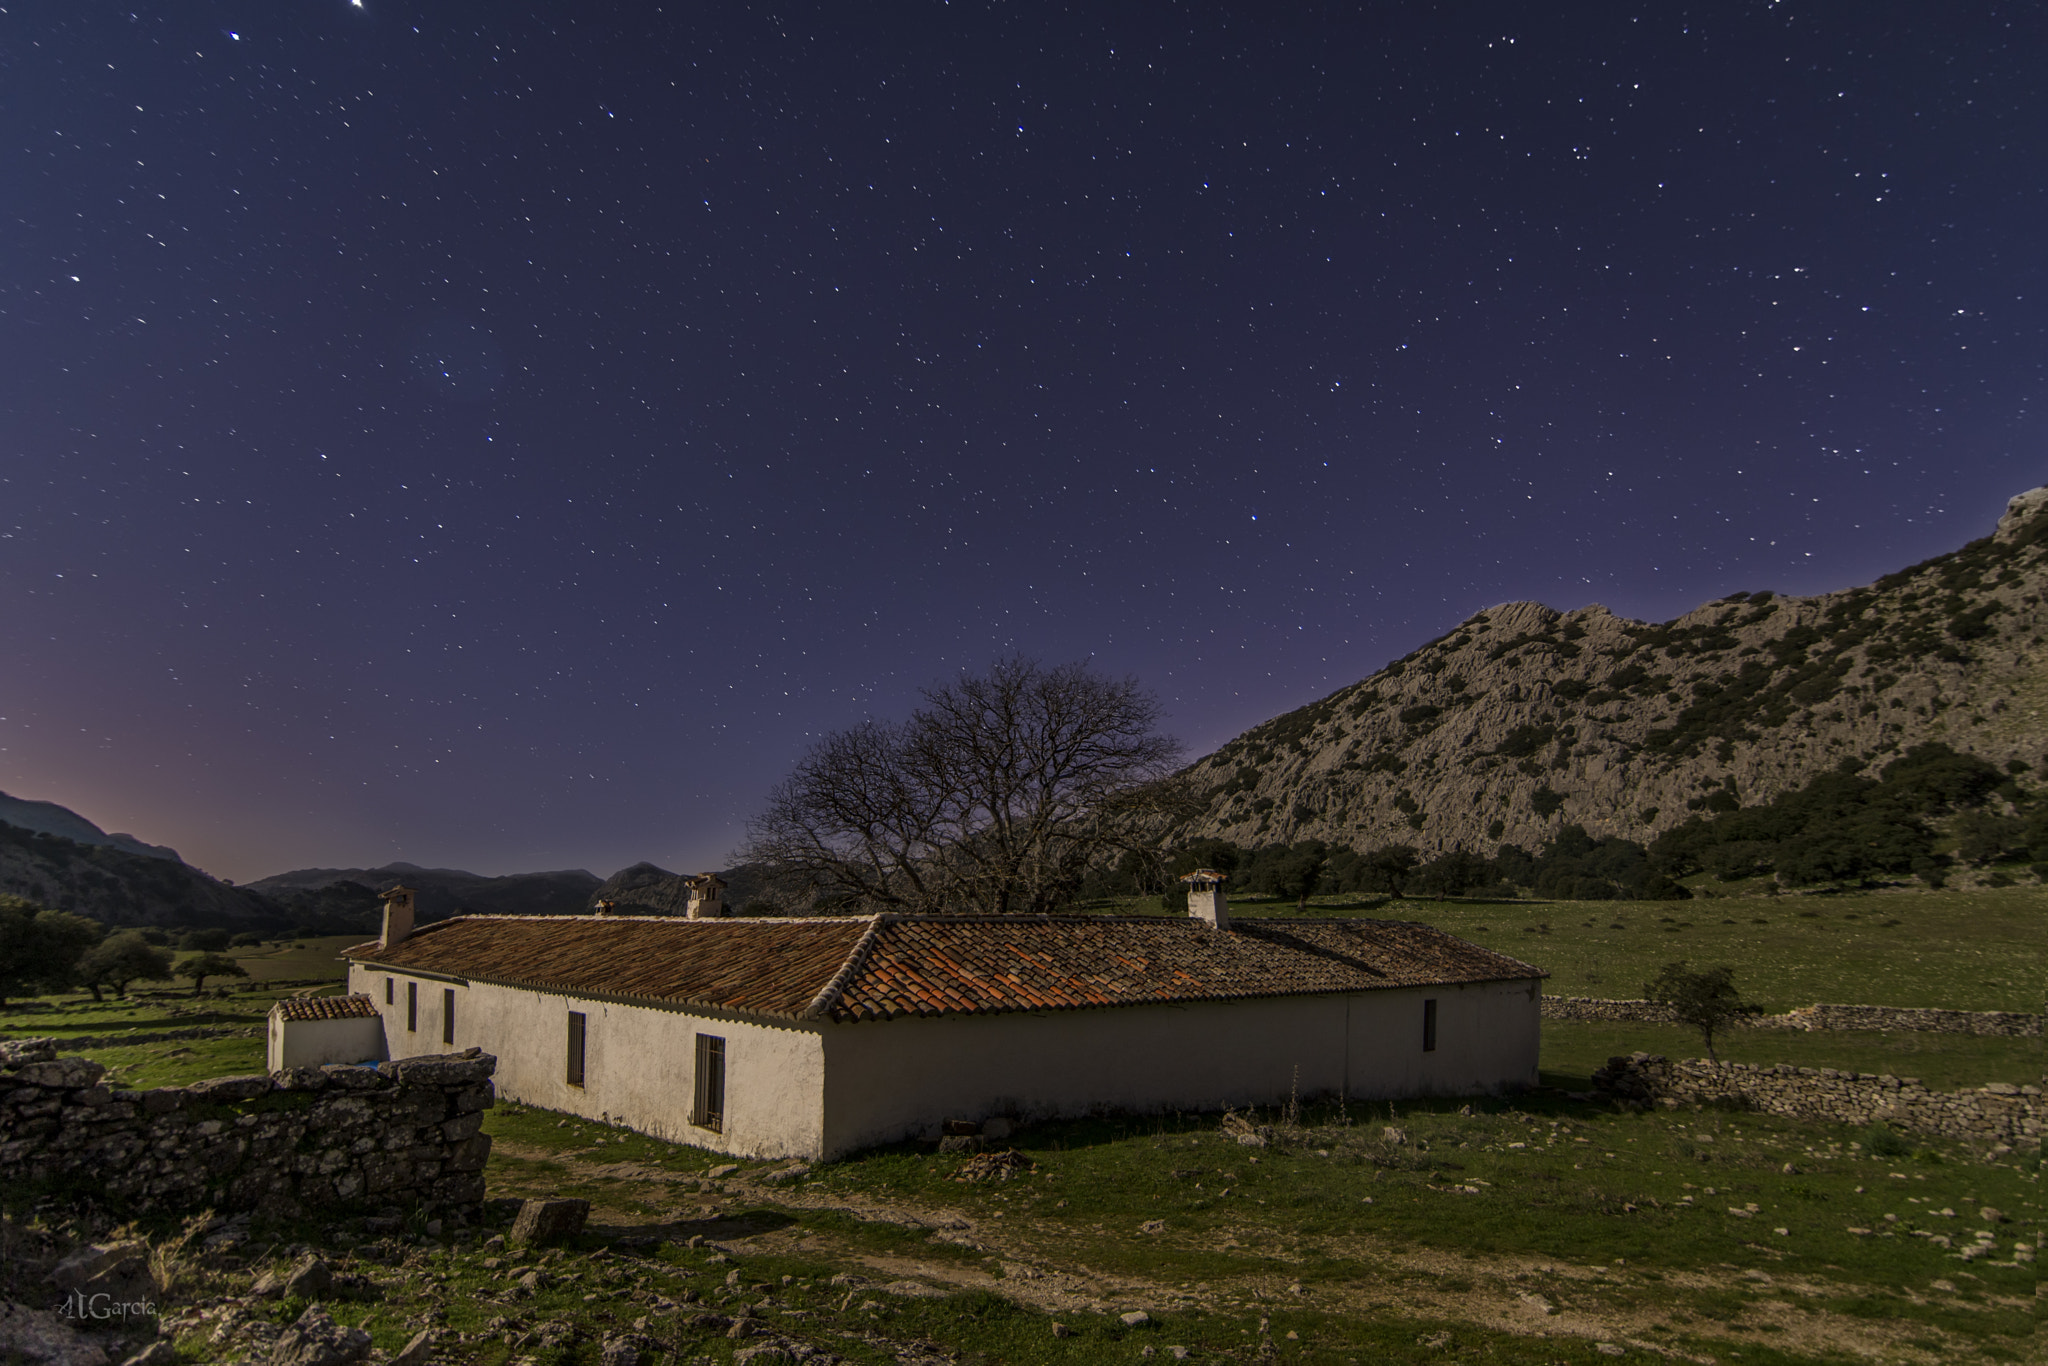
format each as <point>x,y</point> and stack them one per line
<point>448,1016</point>
<point>412,1007</point>
<point>709,1111</point>
<point>1429,1026</point>
<point>389,983</point>
<point>576,1035</point>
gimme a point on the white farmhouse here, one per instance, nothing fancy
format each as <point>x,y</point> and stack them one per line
<point>815,1037</point>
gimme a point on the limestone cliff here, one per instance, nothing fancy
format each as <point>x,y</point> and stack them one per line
<point>1525,718</point>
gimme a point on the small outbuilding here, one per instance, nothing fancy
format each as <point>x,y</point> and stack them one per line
<point>310,1031</point>
<point>818,1036</point>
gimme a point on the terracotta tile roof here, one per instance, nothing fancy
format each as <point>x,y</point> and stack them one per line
<point>326,1008</point>
<point>886,966</point>
<point>767,967</point>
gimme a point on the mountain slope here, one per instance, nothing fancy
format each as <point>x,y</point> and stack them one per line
<point>1524,718</point>
<point>51,819</point>
<point>117,887</point>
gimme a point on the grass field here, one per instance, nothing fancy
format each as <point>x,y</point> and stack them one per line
<point>1972,950</point>
<point>1538,1232</point>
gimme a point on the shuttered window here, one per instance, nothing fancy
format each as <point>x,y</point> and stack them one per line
<point>576,1035</point>
<point>709,1110</point>
<point>1429,1026</point>
<point>448,1015</point>
<point>412,1007</point>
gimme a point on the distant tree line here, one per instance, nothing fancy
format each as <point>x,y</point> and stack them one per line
<point>49,950</point>
<point>1847,827</point>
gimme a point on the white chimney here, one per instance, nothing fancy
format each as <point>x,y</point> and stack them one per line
<point>1206,901</point>
<point>397,917</point>
<point>706,896</point>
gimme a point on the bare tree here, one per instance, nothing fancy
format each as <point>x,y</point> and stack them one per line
<point>994,796</point>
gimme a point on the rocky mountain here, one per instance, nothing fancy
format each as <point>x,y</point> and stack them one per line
<point>324,893</point>
<point>1524,719</point>
<point>118,887</point>
<point>48,818</point>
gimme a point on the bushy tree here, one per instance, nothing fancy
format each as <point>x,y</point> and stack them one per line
<point>199,967</point>
<point>1298,873</point>
<point>996,795</point>
<point>120,959</point>
<point>1393,866</point>
<point>204,941</point>
<point>1707,1000</point>
<point>39,947</point>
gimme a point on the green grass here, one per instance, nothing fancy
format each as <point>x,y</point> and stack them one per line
<point>1962,950</point>
<point>298,959</point>
<point>1360,1245</point>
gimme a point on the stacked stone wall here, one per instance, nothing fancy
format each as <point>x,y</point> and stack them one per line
<point>302,1138</point>
<point>2003,1024</point>
<point>2001,1113</point>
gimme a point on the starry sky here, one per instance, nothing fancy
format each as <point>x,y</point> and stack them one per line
<point>505,435</point>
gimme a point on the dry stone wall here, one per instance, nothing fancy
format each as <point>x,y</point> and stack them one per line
<point>302,1138</point>
<point>2004,1024</point>
<point>2000,1113</point>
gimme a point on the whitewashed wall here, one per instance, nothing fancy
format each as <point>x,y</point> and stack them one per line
<point>829,1089</point>
<point>313,1043</point>
<point>890,1081</point>
<point>639,1062</point>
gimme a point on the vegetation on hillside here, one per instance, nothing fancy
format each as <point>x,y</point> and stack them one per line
<point>1523,720</point>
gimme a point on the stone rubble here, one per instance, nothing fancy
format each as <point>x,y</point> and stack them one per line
<point>2001,1024</point>
<point>1996,1113</point>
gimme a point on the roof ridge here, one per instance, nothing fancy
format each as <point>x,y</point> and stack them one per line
<point>829,995</point>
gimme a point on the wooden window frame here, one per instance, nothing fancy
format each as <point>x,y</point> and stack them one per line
<point>707,1078</point>
<point>579,1043</point>
<point>448,1015</point>
<point>1429,1025</point>
<point>390,990</point>
<point>412,1007</point>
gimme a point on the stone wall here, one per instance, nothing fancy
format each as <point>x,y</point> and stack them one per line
<point>1992,1023</point>
<point>302,1138</point>
<point>2000,1113</point>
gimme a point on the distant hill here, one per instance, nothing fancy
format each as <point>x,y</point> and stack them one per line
<point>325,893</point>
<point>51,819</point>
<point>647,889</point>
<point>117,887</point>
<point>1525,719</point>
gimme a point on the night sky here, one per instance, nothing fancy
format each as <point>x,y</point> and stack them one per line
<point>503,435</point>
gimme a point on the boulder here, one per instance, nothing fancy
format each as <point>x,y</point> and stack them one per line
<point>223,1090</point>
<point>317,1340</point>
<point>348,1076</point>
<point>68,1074</point>
<point>15,1052</point>
<point>541,1222</point>
<point>448,1069</point>
<point>118,1271</point>
<point>309,1280</point>
<point>37,1337</point>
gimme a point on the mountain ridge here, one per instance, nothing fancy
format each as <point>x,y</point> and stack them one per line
<point>49,818</point>
<point>1523,718</point>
